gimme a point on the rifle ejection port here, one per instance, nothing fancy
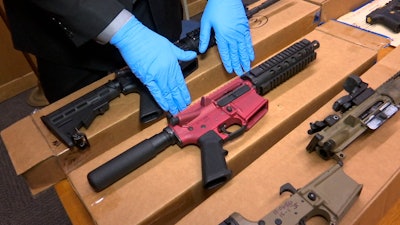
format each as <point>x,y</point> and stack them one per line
<point>387,111</point>
<point>233,95</point>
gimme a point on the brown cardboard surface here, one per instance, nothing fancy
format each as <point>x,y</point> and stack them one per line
<point>121,120</point>
<point>195,7</point>
<point>169,186</point>
<point>356,36</point>
<point>14,136</point>
<point>371,160</point>
<point>332,9</point>
<point>18,85</point>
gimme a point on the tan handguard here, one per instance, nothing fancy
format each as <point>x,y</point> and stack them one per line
<point>368,111</point>
<point>330,195</point>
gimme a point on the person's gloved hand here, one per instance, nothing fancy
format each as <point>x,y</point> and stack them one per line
<point>154,60</point>
<point>232,33</point>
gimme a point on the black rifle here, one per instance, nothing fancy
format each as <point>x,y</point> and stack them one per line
<point>65,122</point>
<point>250,12</point>
<point>192,40</point>
<point>387,15</point>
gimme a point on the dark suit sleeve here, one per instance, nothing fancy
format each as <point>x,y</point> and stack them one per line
<point>81,20</point>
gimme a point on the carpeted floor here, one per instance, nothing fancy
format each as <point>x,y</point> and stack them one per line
<point>17,205</point>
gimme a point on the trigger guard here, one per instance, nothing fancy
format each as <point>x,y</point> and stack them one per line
<point>287,188</point>
<point>232,135</point>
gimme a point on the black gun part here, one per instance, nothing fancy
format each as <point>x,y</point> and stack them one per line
<point>287,63</point>
<point>123,164</point>
<point>251,12</point>
<point>358,91</point>
<point>387,15</point>
<point>66,121</point>
<point>248,2</point>
<point>320,125</point>
<point>192,40</point>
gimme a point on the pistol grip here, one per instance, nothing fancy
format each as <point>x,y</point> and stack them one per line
<point>213,164</point>
<point>387,16</point>
<point>149,108</point>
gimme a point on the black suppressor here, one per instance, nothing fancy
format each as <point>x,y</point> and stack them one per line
<point>123,164</point>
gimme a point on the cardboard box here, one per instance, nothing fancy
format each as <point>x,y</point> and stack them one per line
<point>121,120</point>
<point>358,18</point>
<point>166,188</point>
<point>332,9</point>
<point>371,160</point>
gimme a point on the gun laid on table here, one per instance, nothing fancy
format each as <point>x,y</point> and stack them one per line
<point>330,195</point>
<point>65,122</point>
<point>207,123</point>
<point>251,12</point>
<point>387,15</point>
<point>363,109</point>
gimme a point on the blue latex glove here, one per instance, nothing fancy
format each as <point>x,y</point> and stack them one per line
<point>232,33</point>
<point>154,60</point>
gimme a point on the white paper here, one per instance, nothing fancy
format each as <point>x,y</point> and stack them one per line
<point>357,18</point>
